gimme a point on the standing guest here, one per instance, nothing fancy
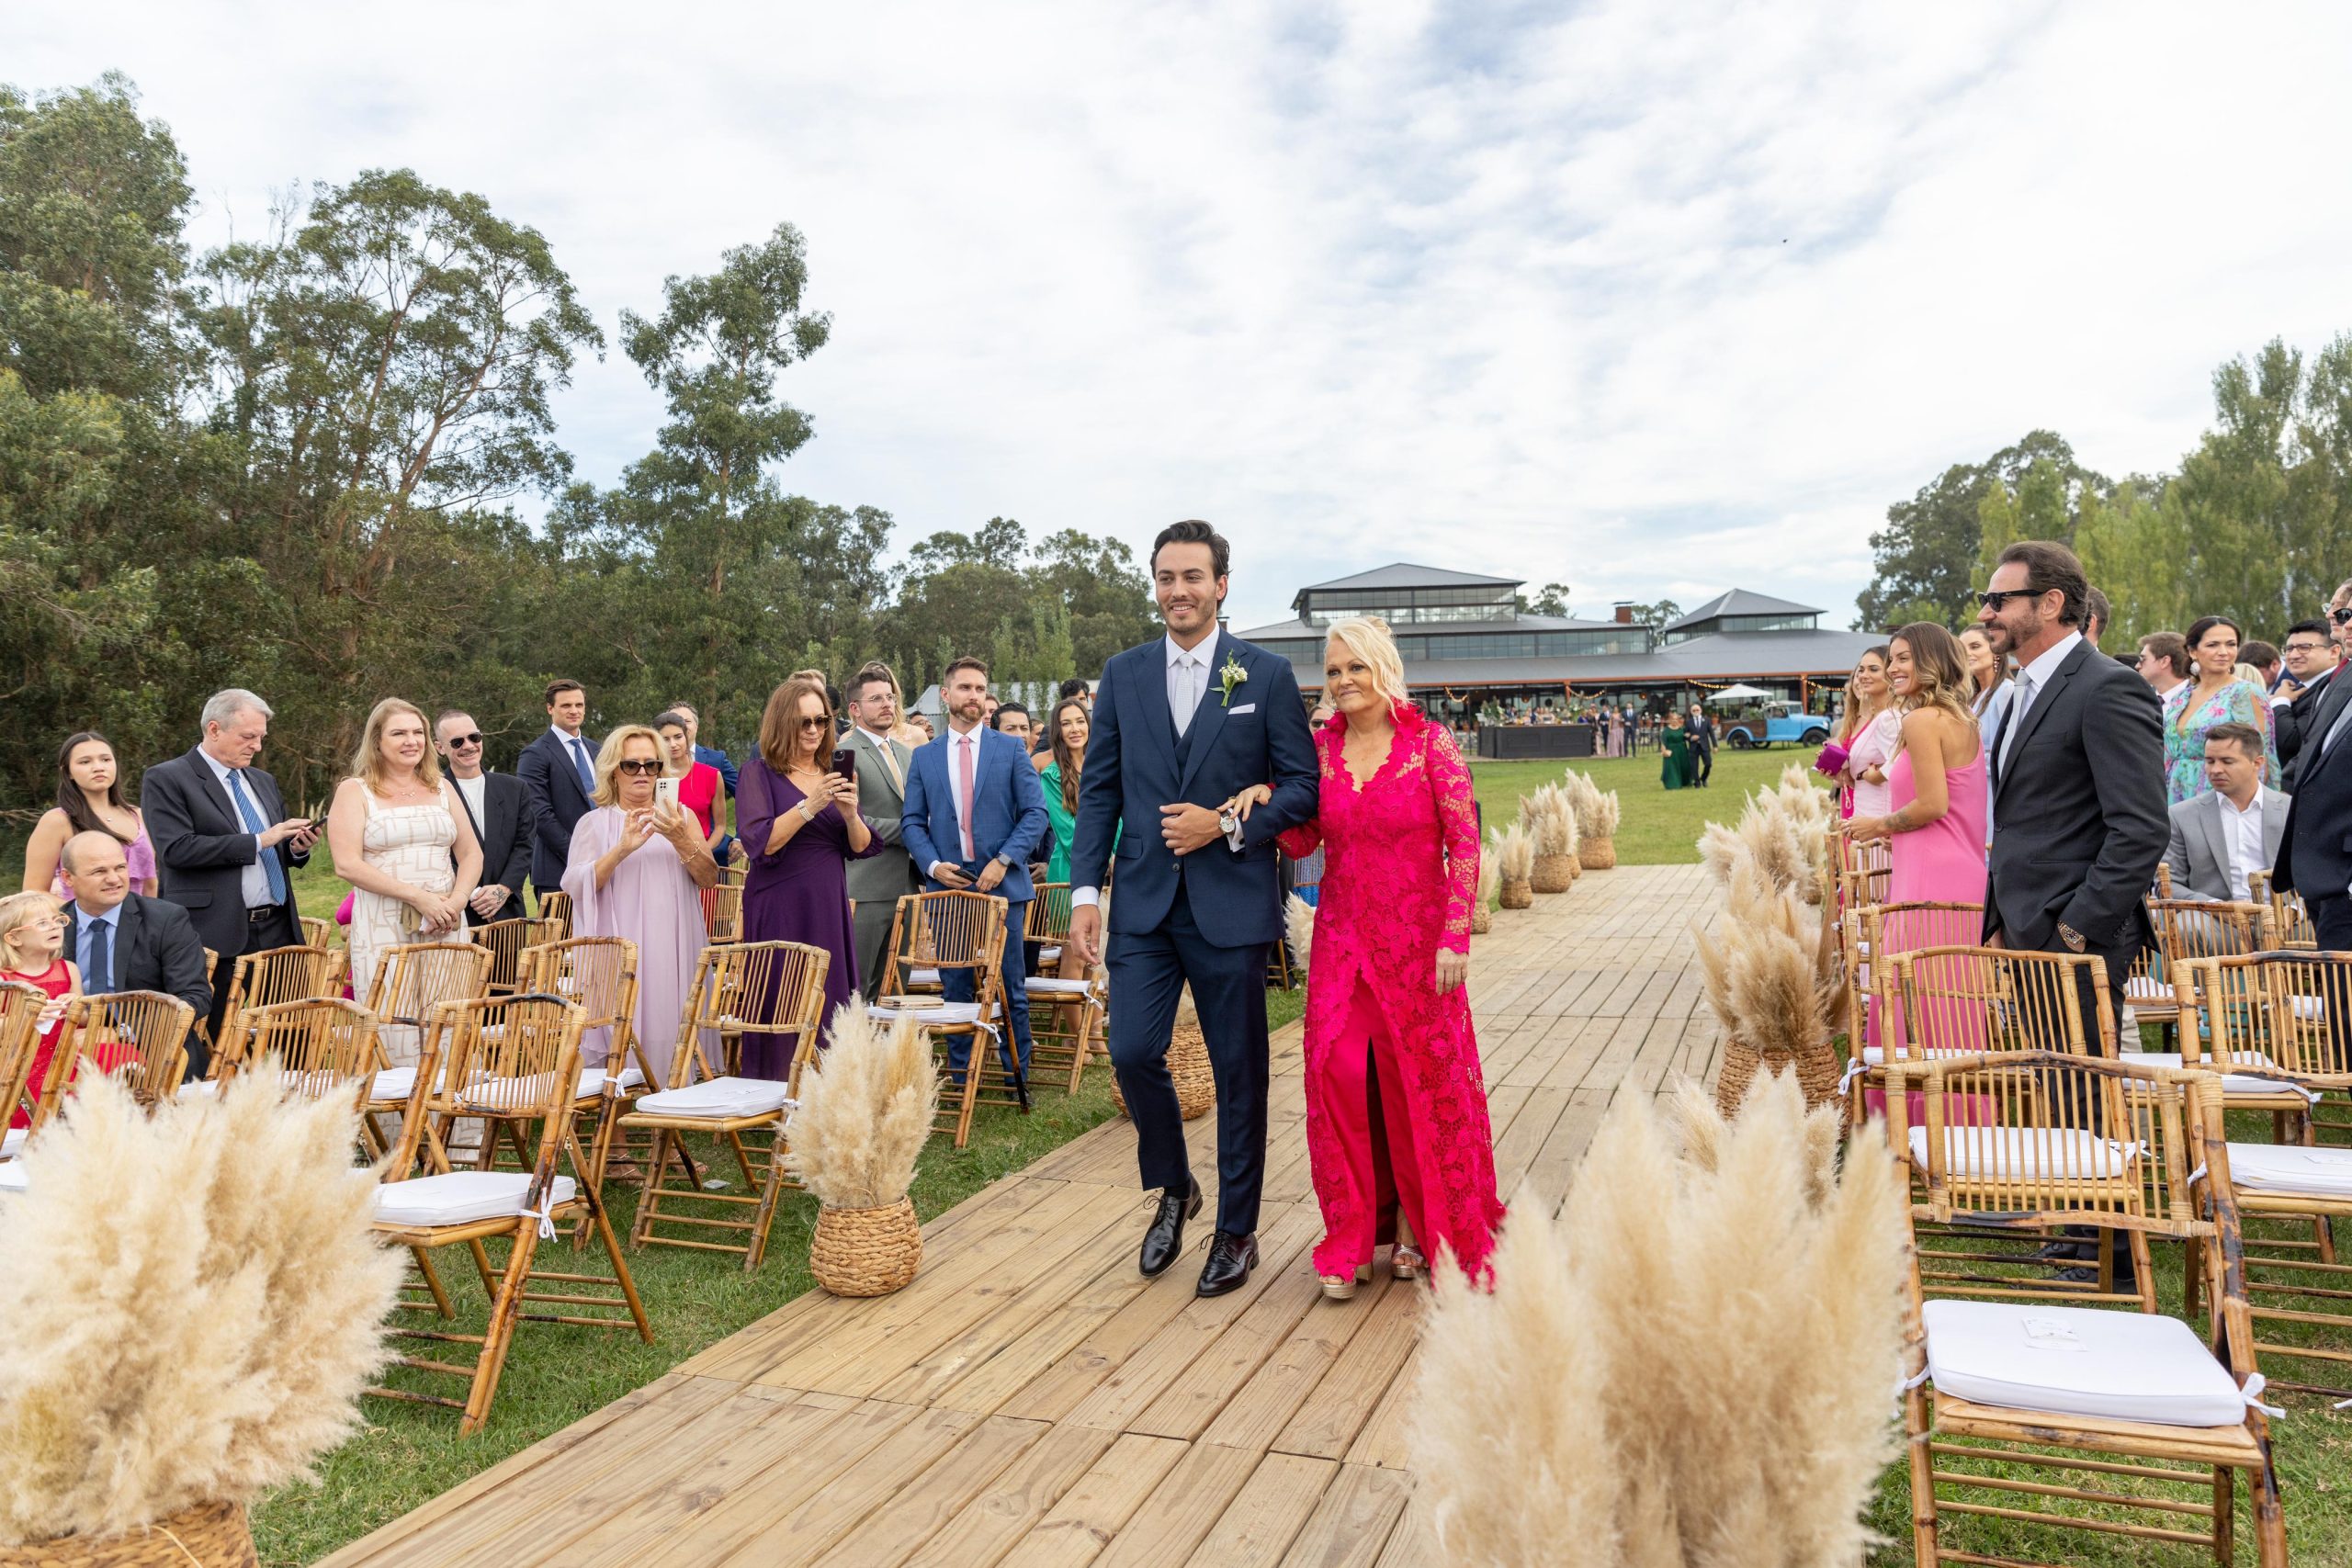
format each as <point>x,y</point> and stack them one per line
<point>559,771</point>
<point>1397,1134</point>
<point>878,879</point>
<point>2266,661</point>
<point>1076,686</point>
<point>1071,725</point>
<point>918,730</point>
<point>2164,662</point>
<point>2221,837</point>
<point>1307,875</point>
<point>1616,731</point>
<point>700,787</point>
<point>90,799</point>
<point>498,808</point>
<point>226,850</point>
<point>1988,673</point>
<point>32,953</point>
<point>1191,718</point>
<point>2315,854</point>
<point>1699,734</point>
<point>1012,718</point>
<point>2216,696</point>
<point>2097,612</point>
<point>638,870</point>
<point>1870,729</point>
<point>2313,658</point>
<point>406,846</point>
<point>989,704</point>
<point>2308,658</point>
<point>123,941</point>
<point>800,820</point>
<point>975,817</point>
<point>711,754</point>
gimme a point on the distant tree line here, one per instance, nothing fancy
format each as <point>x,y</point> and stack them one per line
<point>291,464</point>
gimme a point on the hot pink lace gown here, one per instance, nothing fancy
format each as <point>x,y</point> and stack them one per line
<point>1396,1104</point>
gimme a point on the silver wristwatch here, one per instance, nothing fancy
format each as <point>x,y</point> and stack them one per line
<point>1226,822</point>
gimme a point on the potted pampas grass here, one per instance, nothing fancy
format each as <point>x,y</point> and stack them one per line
<point>1490,882</point>
<point>1762,971</point>
<point>1636,1388</point>
<point>1597,816</point>
<point>195,1301</point>
<point>866,1104</point>
<point>1514,857</point>
<point>1550,823</point>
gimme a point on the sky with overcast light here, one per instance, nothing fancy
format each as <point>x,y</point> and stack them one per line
<point>1650,299</point>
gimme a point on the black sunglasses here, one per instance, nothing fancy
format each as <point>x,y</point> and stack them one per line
<point>818,722</point>
<point>634,766</point>
<point>1993,598</point>
<point>472,739</point>
<point>2341,617</point>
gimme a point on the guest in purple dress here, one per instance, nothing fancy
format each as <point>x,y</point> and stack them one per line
<point>800,823</point>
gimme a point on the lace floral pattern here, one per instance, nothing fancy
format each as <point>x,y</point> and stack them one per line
<point>1399,877</point>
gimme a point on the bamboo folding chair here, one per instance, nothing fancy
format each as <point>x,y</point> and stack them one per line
<point>1965,1000</point>
<point>20,1008</point>
<point>1877,931</point>
<point>598,975</point>
<point>2290,923</point>
<point>414,978</point>
<point>766,988</point>
<point>903,973</point>
<point>279,975</point>
<point>2187,928</point>
<point>139,1037</point>
<point>1065,1014</point>
<point>316,933</point>
<point>723,911</point>
<point>2003,1369</point>
<point>556,905</point>
<point>508,940</point>
<point>957,931</point>
<point>325,1045</point>
<point>508,1059</point>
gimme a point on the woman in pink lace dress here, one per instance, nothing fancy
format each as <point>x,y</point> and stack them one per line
<point>1397,1129</point>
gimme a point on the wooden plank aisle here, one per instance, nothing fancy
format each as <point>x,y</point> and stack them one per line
<point>1031,1402</point>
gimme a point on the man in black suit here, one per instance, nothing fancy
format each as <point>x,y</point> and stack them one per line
<point>225,849</point>
<point>124,941</point>
<point>2321,702</point>
<point>502,814</point>
<point>2315,855</point>
<point>559,769</point>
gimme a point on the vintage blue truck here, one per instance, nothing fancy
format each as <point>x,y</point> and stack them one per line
<point>1781,722</point>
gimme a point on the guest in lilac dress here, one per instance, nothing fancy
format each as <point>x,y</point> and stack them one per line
<point>799,824</point>
<point>638,870</point>
<point>90,799</point>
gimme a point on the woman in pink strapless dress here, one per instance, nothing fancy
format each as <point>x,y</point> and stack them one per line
<point>1935,824</point>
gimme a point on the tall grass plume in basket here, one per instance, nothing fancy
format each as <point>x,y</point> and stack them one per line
<point>866,1106</point>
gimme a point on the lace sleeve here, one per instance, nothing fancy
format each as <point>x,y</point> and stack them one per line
<point>1302,841</point>
<point>1457,817</point>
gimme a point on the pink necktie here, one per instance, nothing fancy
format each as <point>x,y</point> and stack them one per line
<point>964,749</point>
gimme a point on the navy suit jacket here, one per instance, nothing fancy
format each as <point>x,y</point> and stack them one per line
<point>156,949</point>
<point>2315,850</point>
<point>1007,813</point>
<point>1257,735</point>
<point>558,800</point>
<point>202,846</point>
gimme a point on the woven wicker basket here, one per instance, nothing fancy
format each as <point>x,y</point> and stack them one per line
<point>1553,873</point>
<point>1818,1068</point>
<point>1188,1065</point>
<point>1598,854</point>
<point>1482,919</point>
<point>211,1535</point>
<point>1515,895</point>
<point>865,1252</point>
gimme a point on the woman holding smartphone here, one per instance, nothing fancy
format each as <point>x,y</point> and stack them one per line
<point>796,810</point>
<point>686,785</point>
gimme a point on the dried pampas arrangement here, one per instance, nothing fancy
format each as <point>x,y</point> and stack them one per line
<point>1298,925</point>
<point>1597,814</point>
<point>194,1299</point>
<point>867,1105</point>
<point>1491,883</point>
<point>1550,823</point>
<point>1631,1390</point>
<point>1762,971</point>
<point>1514,856</point>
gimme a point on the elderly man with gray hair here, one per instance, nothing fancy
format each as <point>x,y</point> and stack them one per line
<point>226,851</point>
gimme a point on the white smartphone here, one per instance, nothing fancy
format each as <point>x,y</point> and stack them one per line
<point>665,794</point>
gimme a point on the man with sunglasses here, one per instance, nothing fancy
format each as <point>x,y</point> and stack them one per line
<point>502,817</point>
<point>2312,715</point>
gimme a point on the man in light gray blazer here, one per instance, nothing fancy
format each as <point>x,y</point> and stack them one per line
<point>2231,830</point>
<point>877,881</point>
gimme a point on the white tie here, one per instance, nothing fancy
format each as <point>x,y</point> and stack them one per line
<point>2019,705</point>
<point>1182,696</point>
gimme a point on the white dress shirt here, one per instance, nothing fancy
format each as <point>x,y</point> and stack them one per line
<point>1188,683</point>
<point>2242,836</point>
<point>2029,683</point>
<point>253,880</point>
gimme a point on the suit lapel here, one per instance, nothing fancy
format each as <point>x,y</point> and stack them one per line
<point>894,768</point>
<point>1208,718</point>
<point>2042,699</point>
<point>1149,696</point>
<point>216,792</point>
<point>2217,840</point>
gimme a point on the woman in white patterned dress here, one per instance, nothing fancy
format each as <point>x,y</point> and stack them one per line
<point>406,848</point>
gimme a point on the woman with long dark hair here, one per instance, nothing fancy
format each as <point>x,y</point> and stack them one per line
<point>2214,696</point>
<point>1066,730</point>
<point>89,800</point>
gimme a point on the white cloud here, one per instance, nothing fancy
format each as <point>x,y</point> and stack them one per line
<point>1651,304</point>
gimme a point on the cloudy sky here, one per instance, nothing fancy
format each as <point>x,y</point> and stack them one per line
<point>1652,299</point>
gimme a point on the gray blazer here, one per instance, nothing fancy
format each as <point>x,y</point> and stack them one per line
<point>887,874</point>
<point>2199,854</point>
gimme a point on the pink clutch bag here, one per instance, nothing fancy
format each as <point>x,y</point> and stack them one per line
<point>1832,760</point>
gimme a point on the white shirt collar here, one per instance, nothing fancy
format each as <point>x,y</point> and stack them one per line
<point>2044,667</point>
<point>221,770</point>
<point>112,917</point>
<point>556,730</point>
<point>1198,653</point>
<point>882,741</point>
<point>2252,809</point>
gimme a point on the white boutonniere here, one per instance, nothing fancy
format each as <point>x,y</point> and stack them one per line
<point>1230,676</point>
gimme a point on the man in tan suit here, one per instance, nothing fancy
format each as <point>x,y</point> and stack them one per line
<point>877,881</point>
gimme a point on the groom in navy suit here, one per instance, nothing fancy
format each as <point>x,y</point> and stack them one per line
<point>1181,726</point>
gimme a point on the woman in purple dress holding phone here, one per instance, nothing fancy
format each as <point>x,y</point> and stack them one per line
<point>798,819</point>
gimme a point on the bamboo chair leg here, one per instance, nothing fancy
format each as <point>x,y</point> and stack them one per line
<point>432,1281</point>
<point>1084,1047</point>
<point>2269,1519</point>
<point>1923,1480</point>
<point>976,1066</point>
<point>505,1306</point>
<point>603,1221</point>
<point>487,1269</point>
<point>648,1185</point>
<point>770,1190</point>
<point>2144,1267</point>
<point>2224,1514</point>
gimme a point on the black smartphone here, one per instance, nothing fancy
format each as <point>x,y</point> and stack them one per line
<point>846,763</point>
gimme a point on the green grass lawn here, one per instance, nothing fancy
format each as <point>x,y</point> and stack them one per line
<point>1660,827</point>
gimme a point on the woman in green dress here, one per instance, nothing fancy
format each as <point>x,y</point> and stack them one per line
<point>1068,730</point>
<point>1674,772</point>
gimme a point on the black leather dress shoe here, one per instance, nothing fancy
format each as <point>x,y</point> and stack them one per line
<point>1165,1240</point>
<point>1230,1259</point>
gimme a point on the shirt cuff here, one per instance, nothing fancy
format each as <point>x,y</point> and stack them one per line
<point>1233,840</point>
<point>1085,898</point>
<point>933,872</point>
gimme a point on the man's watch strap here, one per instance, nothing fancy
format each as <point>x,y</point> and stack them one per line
<point>2070,937</point>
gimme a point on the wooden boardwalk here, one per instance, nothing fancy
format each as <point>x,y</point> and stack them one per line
<point>1030,1401</point>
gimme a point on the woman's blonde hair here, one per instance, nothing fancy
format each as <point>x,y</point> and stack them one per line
<point>370,765</point>
<point>1940,677</point>
<point>1850,722</point>
<point>20,910</point>
<point>608,760</point>
<point>1369,639</point>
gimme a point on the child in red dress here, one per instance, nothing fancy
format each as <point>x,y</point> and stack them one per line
<point>32,944</point>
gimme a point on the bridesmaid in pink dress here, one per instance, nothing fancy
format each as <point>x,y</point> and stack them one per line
<point>1396,1129</point>
<point>1936,784</point>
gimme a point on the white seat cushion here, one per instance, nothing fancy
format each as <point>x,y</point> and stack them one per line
<point>922,976</point>
<point>937,1012</point>
<point>720,1099</point>
<point>2011,1154</point>
<point>2290,1168</point>
<point>593,1080</point>
<point>2232,1083</point>
<point>461,1197</point>
<point>505,1094</point>
<point>12,1177</point>
<point>200,1088</point>
<point>1876,1055</point>
<point>393,1083</point>
<point>1050,956</point>
<point>2144,988</point>
<point>2117,1366</point>
<point>11,1140</point>
<point>1060,987</point>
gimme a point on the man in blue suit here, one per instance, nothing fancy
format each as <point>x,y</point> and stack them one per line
<point>1182,725</point>
<point>974,816</point>
<point>559,769</point>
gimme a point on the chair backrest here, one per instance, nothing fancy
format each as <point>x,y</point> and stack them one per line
<point>515,1058</point>
<point>325,1044</point>
<point>1048,914</point>
<point>2161,886</point>
<point>2290,922</point>
<point>598,975</point>
<point>2291,1007</point>
<point>20,1008</point>
<point>1862,868</point>
<point>724,908</point>
<point>138,1036</point>
<point>316,932</point>
<point>556,905</point>
<point>767,988</point>
<point>508,940</point>
<point>2191,928</point>
<point>949,931</point>
<point>417,976</point>
<point>1962,999</point>
<point>280,974</point>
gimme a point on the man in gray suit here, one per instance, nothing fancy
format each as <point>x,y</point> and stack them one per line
<point>877,881</point>
<point>2233,828</point>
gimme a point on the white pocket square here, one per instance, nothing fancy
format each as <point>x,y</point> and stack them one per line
<point>1247,707</point>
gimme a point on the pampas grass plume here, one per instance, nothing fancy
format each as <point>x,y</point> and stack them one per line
<point>195,1299</point>
<point>1298,925</point>
<point>1513,851</point>
<point>1689,1366</point>
<point>1549,821</point>
<point>867,1105</point>
<point>1597,813</point>
<point>1490,876</point>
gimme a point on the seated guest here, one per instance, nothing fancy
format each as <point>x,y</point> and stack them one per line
<point>637,871</point>
<point>89,799</point>
<point>502,814</point>
<point>2233,829</point>
<point>123,941</point>
<point>699,783</point>
<point>32,947</point>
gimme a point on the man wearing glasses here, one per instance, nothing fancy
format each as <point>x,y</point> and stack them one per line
<point>2313,859</point>
<point>502,817</point>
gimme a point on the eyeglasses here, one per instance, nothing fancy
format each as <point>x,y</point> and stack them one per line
<point>636,767</point>
<point>818,722</point>
<point>2305,647</point>
<point>456,741</point>
<point>1993,598</point>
